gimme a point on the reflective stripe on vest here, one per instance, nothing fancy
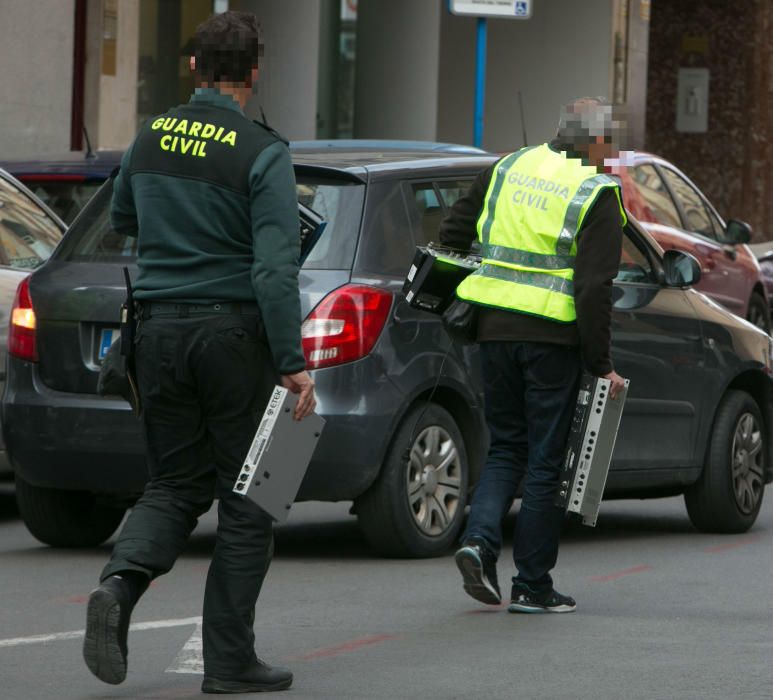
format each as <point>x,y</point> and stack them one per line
<point>534,207</point>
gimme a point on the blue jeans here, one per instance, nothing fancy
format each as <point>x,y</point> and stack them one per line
<point>530,394</point>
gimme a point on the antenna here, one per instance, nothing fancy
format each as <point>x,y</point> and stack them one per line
<point>263,116</point>
<point>523,120</point>
<point>89,151</point>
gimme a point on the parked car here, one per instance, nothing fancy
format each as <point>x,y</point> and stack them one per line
<point>764,254</point>
<point>65,182</point>
<point>697,419</point>
<point>29,232</point>
<point>675,212</point>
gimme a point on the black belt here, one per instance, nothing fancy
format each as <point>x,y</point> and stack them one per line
<point>148,309</point>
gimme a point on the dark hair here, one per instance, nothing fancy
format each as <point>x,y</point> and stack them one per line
<point>227,47</point>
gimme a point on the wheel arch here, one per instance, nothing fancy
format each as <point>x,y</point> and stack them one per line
<point>760,388</point>
<point>759,288</point>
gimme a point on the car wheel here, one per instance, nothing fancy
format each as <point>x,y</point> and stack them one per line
<point>415,507</point>
<point>728,495</point>
<point>66,518</point>
<point>758,313</point>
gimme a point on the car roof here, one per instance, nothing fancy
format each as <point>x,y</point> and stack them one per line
<point>376,163</point>
<point>356,157</point>
<point>97,165</point>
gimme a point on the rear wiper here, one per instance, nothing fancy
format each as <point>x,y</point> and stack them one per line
<point>312,226</point>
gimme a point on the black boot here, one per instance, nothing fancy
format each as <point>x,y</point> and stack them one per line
<point>258,679</point>
<point>107,628</point>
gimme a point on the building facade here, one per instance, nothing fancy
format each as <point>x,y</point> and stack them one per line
<point>404,69</point>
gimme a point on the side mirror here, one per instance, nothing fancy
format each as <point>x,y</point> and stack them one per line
<point>680,269</point>
<point>737,232</point>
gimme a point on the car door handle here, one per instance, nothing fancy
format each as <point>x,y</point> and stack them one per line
<point>730,251</point>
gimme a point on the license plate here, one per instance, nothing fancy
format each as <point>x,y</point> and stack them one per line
<point>107,338</point>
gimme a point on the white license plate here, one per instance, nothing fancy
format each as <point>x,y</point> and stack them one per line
<point>107,338</point>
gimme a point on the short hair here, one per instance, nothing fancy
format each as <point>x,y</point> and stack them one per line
<point>586,118</point>
<point>227,47</point>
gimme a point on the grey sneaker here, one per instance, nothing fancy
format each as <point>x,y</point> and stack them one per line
<point>478,567</point>
<point>524,600</point>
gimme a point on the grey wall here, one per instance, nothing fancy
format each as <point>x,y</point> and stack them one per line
<point>288,81</point>
<point>396,83</point>
<point>36,77</point>
<point>562,52</point>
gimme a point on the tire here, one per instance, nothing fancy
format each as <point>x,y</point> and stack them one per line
<point>728,495</point>
<point>759,313</point>
<point>416,506</point>
<point>66,518</point>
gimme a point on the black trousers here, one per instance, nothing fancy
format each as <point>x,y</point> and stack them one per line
<point>204,383</point>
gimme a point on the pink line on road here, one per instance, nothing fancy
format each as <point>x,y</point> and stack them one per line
<point>731,545</point>
<point>346,647</point>
<point>620,574</point>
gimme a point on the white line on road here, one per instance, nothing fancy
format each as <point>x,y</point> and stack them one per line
<point>78,634</point>
<point>190,658</point>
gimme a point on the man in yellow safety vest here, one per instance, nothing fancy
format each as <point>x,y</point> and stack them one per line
<point>549,223</point>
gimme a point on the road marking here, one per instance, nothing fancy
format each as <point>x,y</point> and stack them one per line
<point>620,574</point>
<point>79,634</point>
<point>345,648</point>
<point>190,659</point>
<point>731,545</point>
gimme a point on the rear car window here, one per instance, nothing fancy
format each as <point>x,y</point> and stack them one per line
<point>28,235</point>
<point>66,197</point>
<point>339,203</point>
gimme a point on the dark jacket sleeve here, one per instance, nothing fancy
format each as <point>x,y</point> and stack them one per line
<point>599,245</point>
<point>276,245</point>
<point>460,227</point>
<point>123,214</point>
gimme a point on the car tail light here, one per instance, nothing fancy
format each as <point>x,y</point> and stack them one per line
<point>345,325</point>
<point>21,335</point>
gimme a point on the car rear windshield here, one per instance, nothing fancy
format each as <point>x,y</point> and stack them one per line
<point>28,235</point>
<point>65,196</point>
<point>338,202</point>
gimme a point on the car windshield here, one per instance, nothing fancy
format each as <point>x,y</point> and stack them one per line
<point>338,202</point>
<point>28,235</point>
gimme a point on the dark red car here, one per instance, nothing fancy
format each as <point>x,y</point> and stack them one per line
<point>679,217</point>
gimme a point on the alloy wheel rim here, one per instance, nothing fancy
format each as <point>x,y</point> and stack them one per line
<point>434,481</point>
<point>747,463</point>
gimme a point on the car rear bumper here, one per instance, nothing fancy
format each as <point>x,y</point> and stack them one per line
<point>86,442</point>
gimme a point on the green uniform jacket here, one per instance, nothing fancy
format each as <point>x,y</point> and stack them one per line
<point>211,196</point>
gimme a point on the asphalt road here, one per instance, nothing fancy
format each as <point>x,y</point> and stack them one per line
<point>663,612</point>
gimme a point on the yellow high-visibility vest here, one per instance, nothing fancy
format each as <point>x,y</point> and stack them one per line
<point>534,207</point>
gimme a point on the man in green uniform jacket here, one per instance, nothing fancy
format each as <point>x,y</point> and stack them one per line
<point>211,197</point>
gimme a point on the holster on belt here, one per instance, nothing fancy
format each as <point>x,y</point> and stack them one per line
<point>117,376</point>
